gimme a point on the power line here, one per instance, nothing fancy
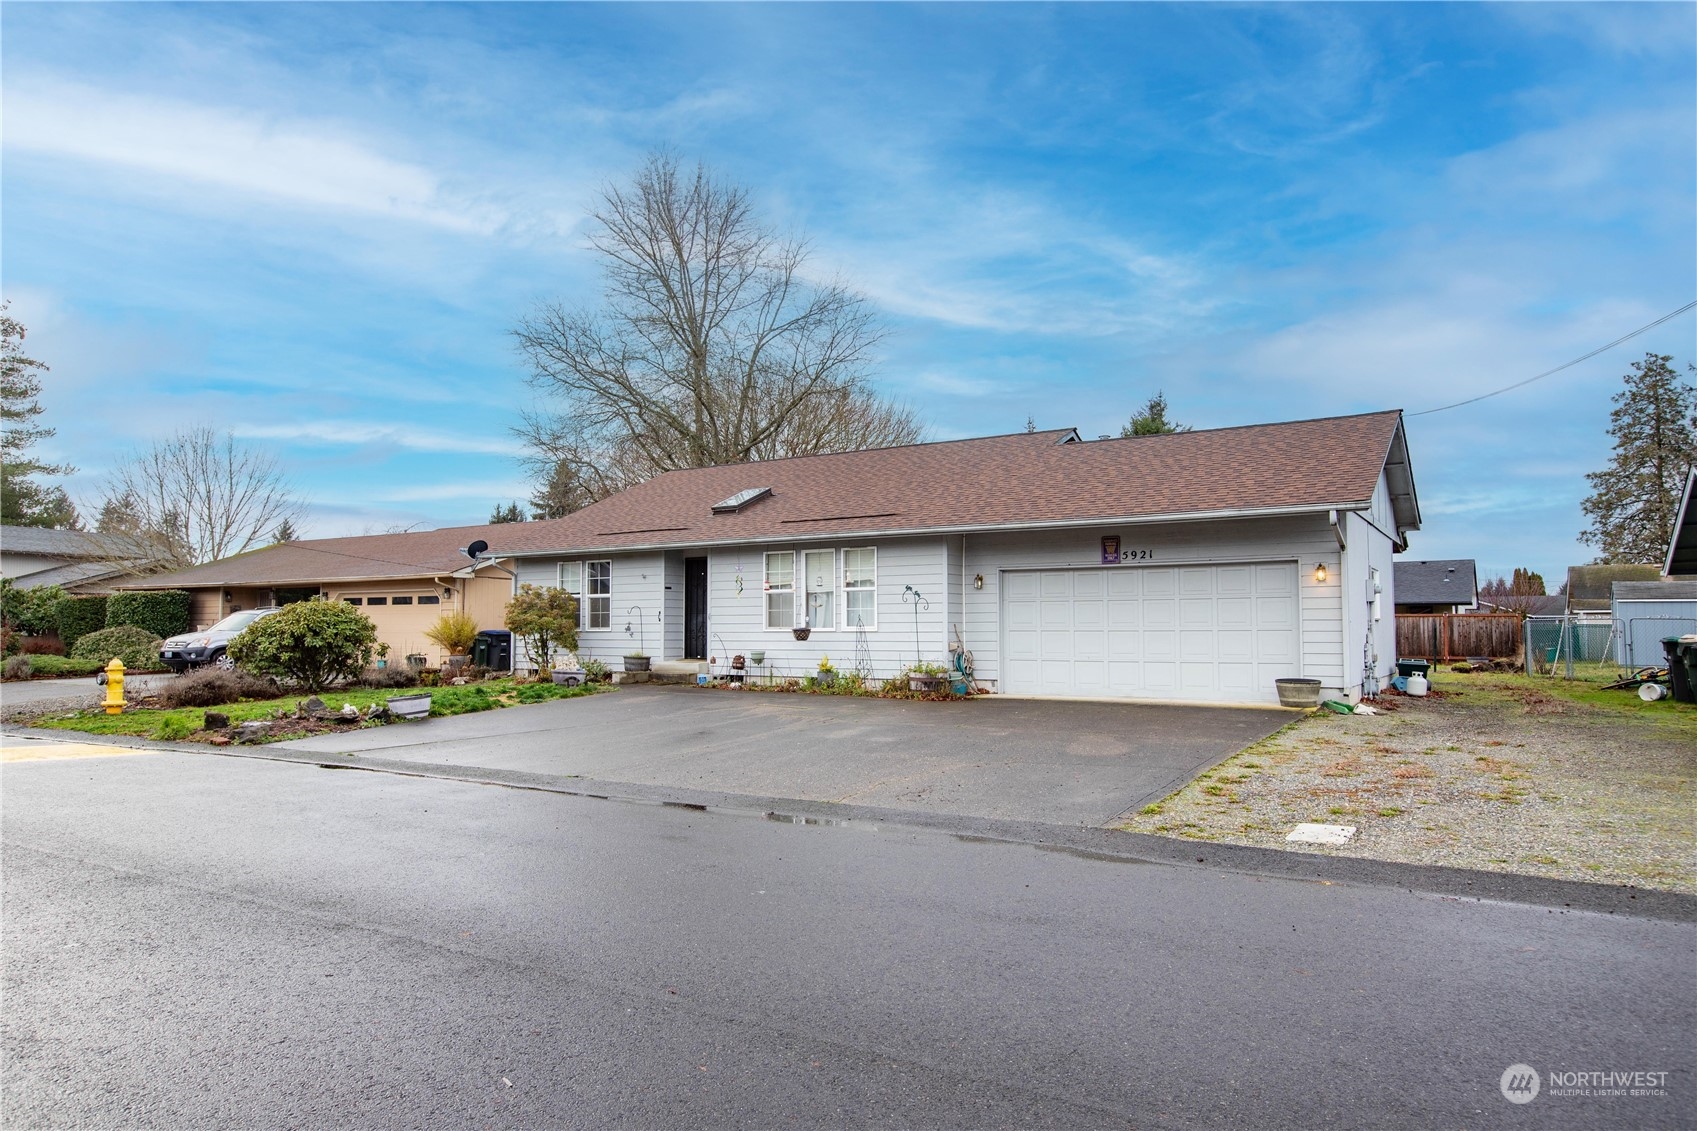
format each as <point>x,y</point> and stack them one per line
<point>1559,368</point>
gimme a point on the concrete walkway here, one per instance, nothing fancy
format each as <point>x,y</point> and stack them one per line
<point>30,695</point>
<point>1074,763</point>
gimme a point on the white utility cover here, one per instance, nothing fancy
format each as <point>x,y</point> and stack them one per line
<point>1215,633</point>
<point>1310,833</point>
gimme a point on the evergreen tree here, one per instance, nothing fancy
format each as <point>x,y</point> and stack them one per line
<point>285,533</point>
<point>1151,419</point>
<point>24,501</point>
<point>564,492</point>
<point>1633,501</point>
<point>508,513</point>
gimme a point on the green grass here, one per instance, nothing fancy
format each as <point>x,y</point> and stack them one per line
<point>1585,690</point>
<point>184,721</point>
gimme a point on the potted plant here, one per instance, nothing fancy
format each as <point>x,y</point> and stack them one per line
<point>757,658</point>
<point>636,662</point>
<point>456,632</point>
<point>826,675</point>
<point>416,659</point>
<point>801,633</point>
<point>382,655</point>
<point>926,677</point>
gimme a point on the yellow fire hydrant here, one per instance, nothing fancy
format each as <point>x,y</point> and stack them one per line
<point>115,687</point>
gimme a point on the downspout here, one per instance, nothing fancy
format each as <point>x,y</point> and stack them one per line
<point>1337,532</point>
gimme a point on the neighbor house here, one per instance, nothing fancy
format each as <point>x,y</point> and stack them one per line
<point>1436,587</point>
<point>1590,588</point>
<point>1682,544</point>
<point>403,582</point>
<point>1196,566</point>
<point>78,561</point>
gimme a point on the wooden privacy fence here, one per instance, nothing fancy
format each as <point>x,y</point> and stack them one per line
<point>1455,636</point>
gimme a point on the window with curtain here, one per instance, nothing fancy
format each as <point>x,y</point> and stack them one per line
<point>860,588</point>
<point>780,590</point>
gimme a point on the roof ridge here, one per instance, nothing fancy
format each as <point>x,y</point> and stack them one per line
<point>1264,424</point>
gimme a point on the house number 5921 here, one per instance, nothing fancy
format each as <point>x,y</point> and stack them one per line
<point>1136,555</point>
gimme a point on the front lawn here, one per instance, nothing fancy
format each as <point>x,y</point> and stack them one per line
<point>186,722</point>
<point>1508,773</point>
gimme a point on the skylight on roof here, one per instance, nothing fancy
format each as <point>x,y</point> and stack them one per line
<point>741,499</point>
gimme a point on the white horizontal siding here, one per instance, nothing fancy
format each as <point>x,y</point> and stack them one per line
<point>736,617</point>
<point>638,580</point>
<point>1305,539</point>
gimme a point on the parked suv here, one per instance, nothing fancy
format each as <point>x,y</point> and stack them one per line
<point>192,649</point>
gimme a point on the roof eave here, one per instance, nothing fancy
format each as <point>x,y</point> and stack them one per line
<point>972,528</point>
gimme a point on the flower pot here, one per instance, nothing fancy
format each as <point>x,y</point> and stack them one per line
<point>416,659</point>
<point>1298,692</point>
<point>926,683</point>
<point>826,679</point>
<point>758,659</point>
<point>738,663</point>
<point>802,633</point>
<point>570,677</point>
<point>410,706</point>
<point>458,661</point>
<point>637,663</point>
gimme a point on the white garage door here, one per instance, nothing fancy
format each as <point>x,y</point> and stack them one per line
<point>1209,633</point>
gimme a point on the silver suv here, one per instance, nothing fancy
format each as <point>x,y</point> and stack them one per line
<point>192,649</point>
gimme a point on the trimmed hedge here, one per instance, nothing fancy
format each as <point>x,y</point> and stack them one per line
<point>164,612</point>
<point>136,646</point>
<point>79,616</point>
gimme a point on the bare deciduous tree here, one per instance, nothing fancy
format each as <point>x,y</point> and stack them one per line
<point>711,346</point>
<point>197,497</point>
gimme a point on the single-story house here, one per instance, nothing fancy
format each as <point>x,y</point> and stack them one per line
<point>1590,588</point>
<point>1532,605</point>
<point>403,582</point>
<point>78,561</point>
<point>1436,587</point>
<point>1645,612</point>
<point>1195,566</point>
<point>1682,544</point>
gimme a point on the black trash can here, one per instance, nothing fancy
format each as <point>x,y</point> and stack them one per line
<point>493,650</point>
<point>1406,668</point>
<point>1688,649</point>
<point>1679,675</point>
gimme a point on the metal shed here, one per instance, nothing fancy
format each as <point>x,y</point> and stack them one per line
<point>1646,611</point>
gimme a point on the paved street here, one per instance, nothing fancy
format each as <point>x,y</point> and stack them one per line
<point>201,941</point>
<point>1064,762</point>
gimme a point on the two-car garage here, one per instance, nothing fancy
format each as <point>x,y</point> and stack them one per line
<point>1208,633</point>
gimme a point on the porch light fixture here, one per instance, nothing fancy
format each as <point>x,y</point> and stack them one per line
<point>1320,572</point>
<point>978,581</point>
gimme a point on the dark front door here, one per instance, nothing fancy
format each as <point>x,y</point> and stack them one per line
<point>695,608</point>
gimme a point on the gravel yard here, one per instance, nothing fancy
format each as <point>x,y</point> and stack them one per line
<point>1495,772</point>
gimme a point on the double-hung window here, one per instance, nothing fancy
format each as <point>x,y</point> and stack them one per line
<point>860,588</point>
<point>598,578</point>
<point>780,590</point>
<point>592,584</point>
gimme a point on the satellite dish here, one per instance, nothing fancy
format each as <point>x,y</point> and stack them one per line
<point>475,550</point>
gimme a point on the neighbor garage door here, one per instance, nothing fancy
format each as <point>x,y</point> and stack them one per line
<point>1209,633</point>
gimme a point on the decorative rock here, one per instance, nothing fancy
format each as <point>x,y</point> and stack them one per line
<point>216,720</point>
<point>349,711</point>
<point>254,729</point>
<point>458,681</point>
<point>311,708</point>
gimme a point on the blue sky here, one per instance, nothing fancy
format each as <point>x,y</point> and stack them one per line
<point>315,224</point>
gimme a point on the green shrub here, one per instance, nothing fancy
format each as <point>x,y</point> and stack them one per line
<point>136,647</point>
<point>456,632</point>
<point>163,612</point>
<point>17,667</point>
<point>64,665</point>
<point>545,618</point>
<point>79,616</point>
<point>173,727</point>
<point>33,611</point>
<point>310,643</point>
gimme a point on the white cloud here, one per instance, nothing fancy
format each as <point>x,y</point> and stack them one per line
<point>359,433</point>
<point>310,164</point>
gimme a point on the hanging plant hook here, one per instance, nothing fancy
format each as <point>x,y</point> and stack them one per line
<point>912,596</point>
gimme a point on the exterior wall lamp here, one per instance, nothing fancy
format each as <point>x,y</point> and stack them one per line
<point>1320,572</point>
<point>978,581</point>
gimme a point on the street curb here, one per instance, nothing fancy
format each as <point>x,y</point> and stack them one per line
<point>1111,845</point>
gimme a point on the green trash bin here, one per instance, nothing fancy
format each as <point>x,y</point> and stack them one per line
<point>480,651</point>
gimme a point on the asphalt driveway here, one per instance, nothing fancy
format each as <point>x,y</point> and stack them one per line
<point>1069,763</point>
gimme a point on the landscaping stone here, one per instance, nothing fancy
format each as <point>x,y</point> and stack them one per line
<point>313,708</point>
<point>252,730</point>
<point>216,720</point>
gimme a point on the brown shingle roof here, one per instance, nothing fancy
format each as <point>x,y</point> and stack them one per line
<point>1028,478</point>
<point>424,553</point>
